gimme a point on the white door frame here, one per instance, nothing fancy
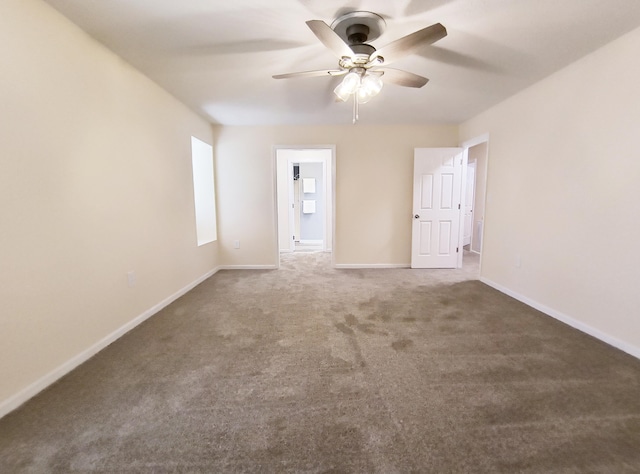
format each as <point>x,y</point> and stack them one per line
<point>464,200</point>
<point>329,172</point>
<point>484,138</point>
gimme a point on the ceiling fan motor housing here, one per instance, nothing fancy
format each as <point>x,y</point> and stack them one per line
<point>357,34</point>
<point>364,26</point>
<point>356,28</point>
<point>362,48</point>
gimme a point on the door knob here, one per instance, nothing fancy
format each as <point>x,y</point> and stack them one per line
<point>417,216</point>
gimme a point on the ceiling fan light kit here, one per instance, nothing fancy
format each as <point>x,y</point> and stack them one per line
<point>370,86</point>
<point>361,64</point>
<point>361,83</point>
<point>348,86</point>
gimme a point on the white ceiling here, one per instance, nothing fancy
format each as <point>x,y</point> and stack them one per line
<point>218,56</point>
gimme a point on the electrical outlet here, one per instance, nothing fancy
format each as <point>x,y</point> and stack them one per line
<point>236,244</point>
<point>131,278</point>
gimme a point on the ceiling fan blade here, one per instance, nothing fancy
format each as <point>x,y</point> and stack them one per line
<point>402,78</point>
<point>330,38</point>
<point>330,72</point>
<point>408,44</point>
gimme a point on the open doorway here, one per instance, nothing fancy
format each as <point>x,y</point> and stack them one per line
<point>305,197</point>
<point>476,155</point>
<point>308,206</point>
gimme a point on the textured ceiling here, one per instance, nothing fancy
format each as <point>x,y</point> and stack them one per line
<point>218,56</point>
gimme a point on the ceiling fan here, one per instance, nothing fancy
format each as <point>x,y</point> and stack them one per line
<point>360,63</point>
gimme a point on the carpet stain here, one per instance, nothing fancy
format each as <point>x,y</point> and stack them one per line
<point>280,423</point>
<point>402,344</point>
<point>367,328</point>
<point>408,319</point>
<point>343,328</point>
<point>449,329</point>
<point>348,437</point>
<point>452,316</point>
<point>377,316</point>
<point>351,320</point>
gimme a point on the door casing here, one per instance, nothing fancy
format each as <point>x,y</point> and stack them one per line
<point>329,165</point>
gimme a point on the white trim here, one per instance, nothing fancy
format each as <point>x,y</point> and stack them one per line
<point>463,197</point>
<point>291,190</point>
<point>39,385</point>
<point>311,242</point>
<point>574,323</point>
<point>248,267</point>
<point>274,173</point>
<point>354,266</point>
<point>484,138</point>
<point>475,141</point>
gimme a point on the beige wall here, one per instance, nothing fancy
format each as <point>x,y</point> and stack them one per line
<point>95,181</point>
<point>563,192</point>
<point>374,166</point>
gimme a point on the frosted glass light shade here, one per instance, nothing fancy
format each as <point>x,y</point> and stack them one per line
<point>348,86</point>
<point>351,82</point>
<point>370,86</point>
<point>341,92</point>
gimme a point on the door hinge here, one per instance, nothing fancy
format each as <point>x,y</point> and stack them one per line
<point>294,237</point>
<point>458,206</point>
<point>457,249</point>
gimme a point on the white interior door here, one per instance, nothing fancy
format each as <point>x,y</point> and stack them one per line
<point>437,180</point>
<point>468,203</point>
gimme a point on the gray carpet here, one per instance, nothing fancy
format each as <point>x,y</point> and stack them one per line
<point>312,369</point>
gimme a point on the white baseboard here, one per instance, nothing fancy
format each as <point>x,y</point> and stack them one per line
<point>248,267</point>
<point>36,387</point>
<point>598,334</point>
<point>371,265</point>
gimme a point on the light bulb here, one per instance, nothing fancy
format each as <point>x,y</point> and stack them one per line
<point>351,82</point>
<point>348,86</point>
<point>364,95</point>
<point>369,87</point>
<point>341,92</point>
<point>372,84</point>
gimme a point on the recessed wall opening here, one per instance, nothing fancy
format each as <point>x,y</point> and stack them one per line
<point>203,191</point>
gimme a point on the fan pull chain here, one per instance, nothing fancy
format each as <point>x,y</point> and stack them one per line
<point>356,108</point>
